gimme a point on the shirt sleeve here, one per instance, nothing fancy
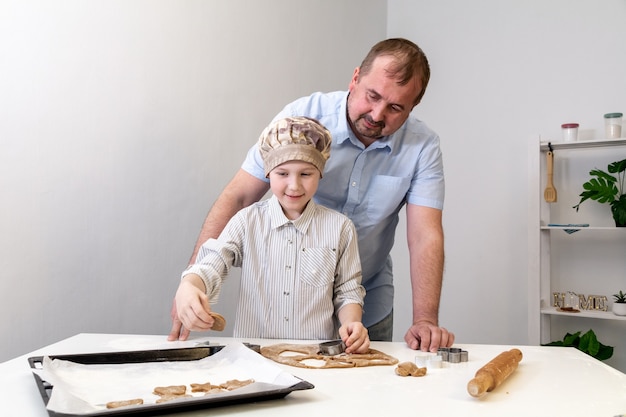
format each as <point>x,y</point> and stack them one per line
<point>348,288</point>
<point>428,183</point>
<point>253,164</point>
<point>217,256</point>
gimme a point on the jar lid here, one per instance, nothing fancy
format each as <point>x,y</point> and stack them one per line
<point>569,125</point>
<point>612,115</point>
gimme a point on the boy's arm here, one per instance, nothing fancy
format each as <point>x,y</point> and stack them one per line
<point>350,313</point>
<point>352,331</point>
<point>243,190</point>
<point>349,292</point>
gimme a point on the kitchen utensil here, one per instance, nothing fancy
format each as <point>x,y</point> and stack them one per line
<point>494,373</point>
<point>263,391</point>
<point>550,192</point>
<point>334,347</point>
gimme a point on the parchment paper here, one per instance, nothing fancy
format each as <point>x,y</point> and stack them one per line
<point>84,389</point>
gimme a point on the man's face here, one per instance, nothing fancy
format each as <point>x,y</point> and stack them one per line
<point>377,104</point>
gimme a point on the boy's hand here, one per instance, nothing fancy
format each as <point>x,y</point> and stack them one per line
<point>355,336</point>
<point>192,306</point>
<point>178,332</point>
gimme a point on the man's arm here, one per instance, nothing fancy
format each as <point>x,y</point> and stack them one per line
<point>243,190</point>
<point>426,252</point>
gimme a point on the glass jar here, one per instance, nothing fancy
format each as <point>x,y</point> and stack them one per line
<point>570,132</point>
<point>613,125</point>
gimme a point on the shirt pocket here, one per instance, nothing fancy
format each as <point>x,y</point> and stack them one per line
<point>317,266</point>
<point>385,195</point>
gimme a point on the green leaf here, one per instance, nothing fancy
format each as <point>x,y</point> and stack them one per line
<point>603,175</point>
<point>616,167</point>
<point>600,189</point>
<point>589,343</point>
<point>618,209</point>
<point>604,187</point>
<point>571,339</point>
<point>604,353</point>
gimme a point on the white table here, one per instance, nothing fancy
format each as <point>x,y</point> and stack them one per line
<point>550,381</point>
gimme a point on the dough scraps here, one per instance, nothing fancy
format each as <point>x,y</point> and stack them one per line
<point>283,353</point>
<point>410,369</point>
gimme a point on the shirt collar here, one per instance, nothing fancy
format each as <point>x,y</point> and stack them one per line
<point>278,218</point>
<point>343,132</point>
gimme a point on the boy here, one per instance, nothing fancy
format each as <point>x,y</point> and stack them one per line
<point>300,261</point>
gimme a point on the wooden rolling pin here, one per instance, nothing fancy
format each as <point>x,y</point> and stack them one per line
<point>494,373</point>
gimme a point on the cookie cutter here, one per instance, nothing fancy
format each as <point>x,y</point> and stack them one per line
<point>332,348</point>
<point>453,355</point>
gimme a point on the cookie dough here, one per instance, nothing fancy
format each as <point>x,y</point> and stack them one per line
<point>283,353</point>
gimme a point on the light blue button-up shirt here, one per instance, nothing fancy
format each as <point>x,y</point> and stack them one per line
<point>370,185</point>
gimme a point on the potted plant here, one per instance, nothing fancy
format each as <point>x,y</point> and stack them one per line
<point>587,343</point>
<point>619,304</point>
<point>606,188</point>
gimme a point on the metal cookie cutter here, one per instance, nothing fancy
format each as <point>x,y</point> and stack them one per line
<point>332,348</point>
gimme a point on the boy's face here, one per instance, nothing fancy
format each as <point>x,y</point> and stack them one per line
<point>294,183</point>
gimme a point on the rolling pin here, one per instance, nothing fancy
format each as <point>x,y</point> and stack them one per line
<point>494,373</point>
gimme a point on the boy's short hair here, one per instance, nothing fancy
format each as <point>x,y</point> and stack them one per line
<point>295,139</point>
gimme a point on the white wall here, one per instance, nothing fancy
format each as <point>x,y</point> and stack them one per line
<point>120,122</point>
<point>502,72</point>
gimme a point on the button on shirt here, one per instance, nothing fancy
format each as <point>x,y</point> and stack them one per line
<point>370,185</point>
<point>295,274</point>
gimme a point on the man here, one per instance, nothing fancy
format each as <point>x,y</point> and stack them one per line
<point>381,159</point>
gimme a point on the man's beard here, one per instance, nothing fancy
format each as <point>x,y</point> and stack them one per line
<point>366,131</point>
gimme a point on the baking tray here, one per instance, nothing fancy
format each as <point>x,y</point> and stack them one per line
<point>265,392</point>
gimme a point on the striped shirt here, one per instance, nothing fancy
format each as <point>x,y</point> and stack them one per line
<point>295,274</point>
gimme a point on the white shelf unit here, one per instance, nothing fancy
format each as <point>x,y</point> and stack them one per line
<point>606,315</point>
<point>541,311</point>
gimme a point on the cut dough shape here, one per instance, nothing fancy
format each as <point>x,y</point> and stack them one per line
<point>219,321</point>
<point>117,404</point>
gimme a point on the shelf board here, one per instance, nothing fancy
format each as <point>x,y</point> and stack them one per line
<point>583,228</point>
<point>582,144</point>
<point>603,315</point>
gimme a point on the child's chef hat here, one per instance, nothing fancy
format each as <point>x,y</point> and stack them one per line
<point>295,139</point>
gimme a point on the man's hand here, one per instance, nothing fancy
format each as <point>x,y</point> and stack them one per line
<point>428,337</point>
<point>178,332</point>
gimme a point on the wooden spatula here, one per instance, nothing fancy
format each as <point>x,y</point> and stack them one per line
<point>550,192</point>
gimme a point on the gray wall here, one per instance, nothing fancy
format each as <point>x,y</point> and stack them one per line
<point>122,121</point>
